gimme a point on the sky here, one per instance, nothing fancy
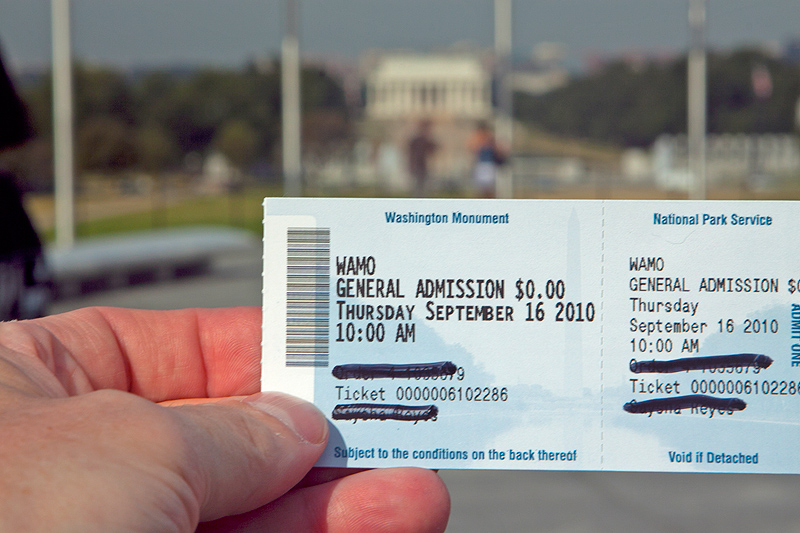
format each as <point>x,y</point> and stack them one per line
<point>148,33</point>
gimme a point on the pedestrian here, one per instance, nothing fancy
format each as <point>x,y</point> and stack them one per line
<point>420,148</point>
<point>487,158</point>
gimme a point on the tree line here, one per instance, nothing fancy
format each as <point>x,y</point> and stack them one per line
<point>631,105</point>
<point>150,121</point>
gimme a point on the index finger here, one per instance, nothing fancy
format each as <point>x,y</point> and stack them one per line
<point>160,355</point>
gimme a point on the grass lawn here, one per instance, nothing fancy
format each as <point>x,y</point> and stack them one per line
<point>244,210</point>
<point>241,210</point>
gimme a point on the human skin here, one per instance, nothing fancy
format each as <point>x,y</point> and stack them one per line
<point>124,420</point>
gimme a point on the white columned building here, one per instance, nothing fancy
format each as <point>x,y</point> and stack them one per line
<point>432,86</point>
<point>450,91</point>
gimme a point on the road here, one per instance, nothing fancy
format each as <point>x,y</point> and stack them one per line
<point>550,502</point>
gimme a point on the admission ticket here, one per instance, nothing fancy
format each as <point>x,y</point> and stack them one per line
<point>541,334</point>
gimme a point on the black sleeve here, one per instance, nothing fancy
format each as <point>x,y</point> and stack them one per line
<point>17,235</point>
<point>15,126</point>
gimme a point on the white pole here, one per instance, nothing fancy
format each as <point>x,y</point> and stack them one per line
<point>290,103</point>
<point>696,105</point>
<point>504,124</point>
<point>62,126</point>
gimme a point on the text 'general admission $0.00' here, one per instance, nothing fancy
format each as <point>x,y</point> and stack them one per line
<point>576,335</point>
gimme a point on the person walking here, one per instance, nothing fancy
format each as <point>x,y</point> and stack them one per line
<point>487,158</point>
<point>420,148</point>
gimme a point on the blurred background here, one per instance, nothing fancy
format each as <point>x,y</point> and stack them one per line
<point>174,118</point>
<point>177,103</point>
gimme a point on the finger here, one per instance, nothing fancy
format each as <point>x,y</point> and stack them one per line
<point>251,454</point>
<point>160,355</point>
<point>199,401</point>
<point>396,499</point>
<point>318,476</point>
<point>108,460</point>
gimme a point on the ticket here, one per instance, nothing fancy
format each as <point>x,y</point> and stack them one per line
<point>539,334</point>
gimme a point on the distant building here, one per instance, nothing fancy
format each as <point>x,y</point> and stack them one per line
<point>635,58</point>
<point>731,159</point>
<point>450,90</point>
<point>542,72</point>
<point>434,86</point>
<point>791,52</point>
<point>218,173</point>
<point>538,82</point>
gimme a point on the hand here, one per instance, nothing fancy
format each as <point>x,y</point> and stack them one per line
<point>122,420</point>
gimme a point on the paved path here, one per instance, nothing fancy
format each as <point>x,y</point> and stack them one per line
<point>232,279</point>
<point>112,262</point>
<point>494,501</point>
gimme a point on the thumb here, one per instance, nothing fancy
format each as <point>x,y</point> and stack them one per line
<point>249,452</point>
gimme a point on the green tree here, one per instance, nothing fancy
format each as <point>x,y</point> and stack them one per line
<point>101,92</point>
<point>155,149</point>
<point>105,144</point>
<point>155,118</point>
<point>238,141</point>
<point>631,106</point>
<point>618,105</point>
<point>733,105</point>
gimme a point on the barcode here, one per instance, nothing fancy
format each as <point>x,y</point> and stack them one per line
<point>307,296</point>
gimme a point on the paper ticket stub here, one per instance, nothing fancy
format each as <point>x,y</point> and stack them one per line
<point>539,334</point>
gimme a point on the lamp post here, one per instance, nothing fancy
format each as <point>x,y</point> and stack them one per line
<point>504,124</point>
<point>290,104</point>
<point>696,97</point>
<point>64,170</point>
